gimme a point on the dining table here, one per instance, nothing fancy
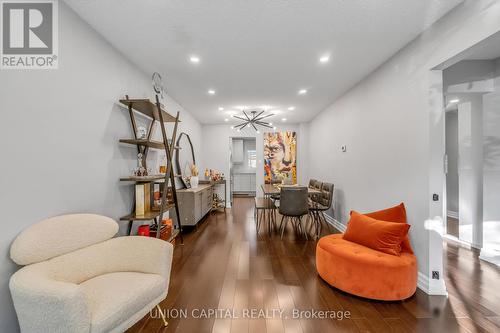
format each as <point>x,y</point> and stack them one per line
<point>275,189</point>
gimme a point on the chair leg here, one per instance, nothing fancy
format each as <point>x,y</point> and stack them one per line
<point>275,218</point>
<point>259,220</point>
<point>312,223</point>
<point>162,315</point>
<point>310,219</point>
<point>320,225</point>
<point>269,222</point>
<point>284,227</point>
<point>256,218</point>
<point>281,223</point>
<point>327,224</point>
<point>299,219</point>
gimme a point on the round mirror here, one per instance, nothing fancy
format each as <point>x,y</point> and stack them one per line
<point>184,159</point>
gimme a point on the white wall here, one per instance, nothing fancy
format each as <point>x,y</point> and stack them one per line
<point>470,169</point>
<point>59,142</point>
<point>216,154</point>
<point>452,189</point>
<point>393,125</point>
<point>491,129</point>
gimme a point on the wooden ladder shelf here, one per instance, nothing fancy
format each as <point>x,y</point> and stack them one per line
<point>155,112</point>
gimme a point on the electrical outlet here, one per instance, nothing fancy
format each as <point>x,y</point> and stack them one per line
<point>435,275</point>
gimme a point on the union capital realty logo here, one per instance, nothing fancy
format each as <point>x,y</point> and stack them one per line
<point>29,38</point>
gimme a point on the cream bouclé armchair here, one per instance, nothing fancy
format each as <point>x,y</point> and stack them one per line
<point>78,278</point>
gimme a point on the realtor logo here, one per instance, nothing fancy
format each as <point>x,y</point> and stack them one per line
<point>29,34</point>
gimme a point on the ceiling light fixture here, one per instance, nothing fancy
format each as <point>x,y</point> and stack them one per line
<point>291,108</point>
<point>221,108</point>
<point>194,59</point>
<point>453,101</point>
<point>283,119</point>
<point>302,91</point>
<point>253,120</point>
<point>324,59</point>
<point>211,92</point>
<point>226,120</point>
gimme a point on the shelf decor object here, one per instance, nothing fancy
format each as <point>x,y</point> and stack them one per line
<point>148,185</point>
<point>254,120</point>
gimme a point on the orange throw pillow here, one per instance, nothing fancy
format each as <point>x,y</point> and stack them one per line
<point>394,214</point>
<point>382,236</point>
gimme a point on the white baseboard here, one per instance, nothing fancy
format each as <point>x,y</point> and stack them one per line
<point>452,214</point>
<point>336,224</point>
<point>431,286</point>
<point>490,255</point>
<point>457,241</point>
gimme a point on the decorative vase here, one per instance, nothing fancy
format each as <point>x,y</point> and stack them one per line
<point>194,181</point>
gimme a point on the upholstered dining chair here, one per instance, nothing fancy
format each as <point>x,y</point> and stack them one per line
<point>317,185</point>
<point>264,210</point>
<point>78,278</point>
<point>293,205</point>
<point>319,205</point>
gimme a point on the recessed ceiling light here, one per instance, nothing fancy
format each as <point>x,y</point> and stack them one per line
<point>221,108</point>
<point>456,100</point>
<point>238,130</point>
<point>283,119</point>
<point>226,119</point>
<point>302,91</point>
<point>270,124</point>
<point>194,59</point>
<point>232,127</point>
<point>324,59</point>
<point>211,92</point>
<point>291,108</point>
<point>274,127</point>
<point>258,131</point>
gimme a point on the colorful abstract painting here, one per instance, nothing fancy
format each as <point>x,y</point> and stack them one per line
<point>280,153</point>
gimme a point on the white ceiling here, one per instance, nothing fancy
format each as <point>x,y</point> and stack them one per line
<point>259,52</point>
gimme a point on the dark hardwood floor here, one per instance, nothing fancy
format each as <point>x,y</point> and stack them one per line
<point>224,264</point>
<point>452,226</point>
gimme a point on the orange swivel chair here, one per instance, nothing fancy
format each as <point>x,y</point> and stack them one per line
<point>362,271</point>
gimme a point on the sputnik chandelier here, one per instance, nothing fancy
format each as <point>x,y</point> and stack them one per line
<point>253,120</point>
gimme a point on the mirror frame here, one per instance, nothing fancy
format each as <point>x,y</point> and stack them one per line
<point>177,162</point>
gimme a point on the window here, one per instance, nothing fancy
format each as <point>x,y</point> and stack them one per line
<point>252,158</point>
